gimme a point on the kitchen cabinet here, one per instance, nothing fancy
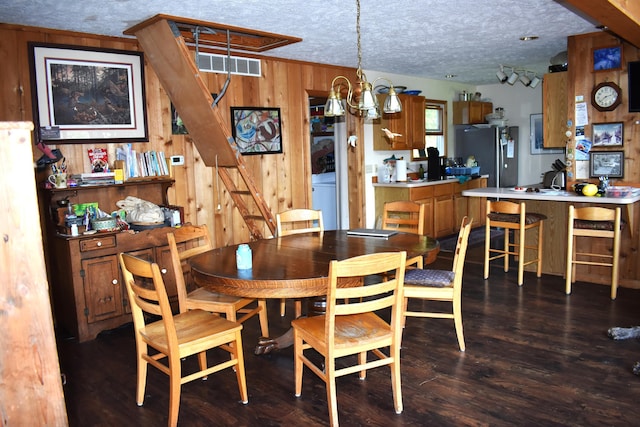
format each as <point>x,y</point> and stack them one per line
<point>471,112</point>
<point>443,220</point>
<point>444,204</point>
<point>86,282</point>
<point>408,124</point>
<point>554,108</point>
<point>472,207</point>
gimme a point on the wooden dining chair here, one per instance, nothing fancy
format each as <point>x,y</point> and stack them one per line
<point>297,221</point>
<point>440,285</point>
<point>351,327</point>
<point>190,240</point>
<point>404,215</point>
<point>175,337</point>
<point>598,222</point>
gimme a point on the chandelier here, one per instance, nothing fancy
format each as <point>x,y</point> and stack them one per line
<point>360,97</point>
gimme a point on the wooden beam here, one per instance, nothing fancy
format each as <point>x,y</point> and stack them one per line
<point>622,17</point>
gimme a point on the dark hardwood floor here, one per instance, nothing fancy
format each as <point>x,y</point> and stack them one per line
<point>535,357</point>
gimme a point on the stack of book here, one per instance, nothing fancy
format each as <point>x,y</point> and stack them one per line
<point>145,164</point>
<point>96,178</point>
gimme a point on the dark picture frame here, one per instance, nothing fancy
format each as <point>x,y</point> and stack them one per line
<point>83,94</point>
<point>257,130</point>
<point>607,163</point>
<point>607,58</point>
<point>608,134</point>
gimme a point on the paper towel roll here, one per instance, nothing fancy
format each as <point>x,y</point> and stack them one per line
<point>401,170</point>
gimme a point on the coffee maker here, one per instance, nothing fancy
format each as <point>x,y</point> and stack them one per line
<point>435,169</point>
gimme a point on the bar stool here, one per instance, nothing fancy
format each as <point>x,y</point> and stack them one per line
<point>593,222</point>
<point>512,216</point>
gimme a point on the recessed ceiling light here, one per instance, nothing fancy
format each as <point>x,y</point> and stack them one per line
<point>528,38</point>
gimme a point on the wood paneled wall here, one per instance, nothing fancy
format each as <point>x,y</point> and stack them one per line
<point>284,178</point>
<point>582,79</point>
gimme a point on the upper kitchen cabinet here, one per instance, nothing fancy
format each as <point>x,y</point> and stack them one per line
<point>408,125</point>
<point>554,107</point>
<point>471,112</point>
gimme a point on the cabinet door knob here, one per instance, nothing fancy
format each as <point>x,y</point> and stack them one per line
<point>114,281</point>
<point>99,244</point>
<point>163,271</point>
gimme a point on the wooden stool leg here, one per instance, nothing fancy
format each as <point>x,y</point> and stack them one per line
<point>539,270</point>
<point>506,250</point>
<point>568,278</point>
<point>283,306</point>
<point>521,254</point>
<point>487,245</point>
<point>614,262</point>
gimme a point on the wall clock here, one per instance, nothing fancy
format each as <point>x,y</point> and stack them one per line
<point>606,96</point>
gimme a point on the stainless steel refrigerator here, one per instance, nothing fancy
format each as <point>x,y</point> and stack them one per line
<point>495,150</point>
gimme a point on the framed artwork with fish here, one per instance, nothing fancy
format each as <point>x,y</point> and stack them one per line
<point>86,94</point>
<point>256,130</point>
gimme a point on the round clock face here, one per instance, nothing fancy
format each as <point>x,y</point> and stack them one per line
<point>606,96</point>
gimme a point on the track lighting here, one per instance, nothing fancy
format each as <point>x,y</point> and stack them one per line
<point>518,74</point>
<point>502,77</point>
<point>535,81</point>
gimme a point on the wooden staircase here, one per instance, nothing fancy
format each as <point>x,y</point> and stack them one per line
<point>163,40</point>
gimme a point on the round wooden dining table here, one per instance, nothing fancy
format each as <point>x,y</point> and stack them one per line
<point>296,266</point>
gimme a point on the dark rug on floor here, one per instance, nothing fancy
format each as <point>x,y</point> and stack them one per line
<point>476,238</point>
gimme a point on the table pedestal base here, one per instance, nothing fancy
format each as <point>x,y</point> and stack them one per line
<point>266,345</point>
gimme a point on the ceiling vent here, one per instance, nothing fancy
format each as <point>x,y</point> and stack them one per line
<point>212,63</point>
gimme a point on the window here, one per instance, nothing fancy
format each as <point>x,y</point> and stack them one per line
<point>435,118</point>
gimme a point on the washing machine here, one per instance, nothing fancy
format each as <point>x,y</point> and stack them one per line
<point>324,198</point>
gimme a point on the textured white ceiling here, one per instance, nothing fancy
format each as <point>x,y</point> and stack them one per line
<point>424,38</point>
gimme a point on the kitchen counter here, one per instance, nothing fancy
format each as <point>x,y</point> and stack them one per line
<point>421,183</point>
<point>554,204</point>
<point>550,195</point>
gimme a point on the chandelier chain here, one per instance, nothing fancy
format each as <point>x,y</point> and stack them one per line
<point>359,70</point>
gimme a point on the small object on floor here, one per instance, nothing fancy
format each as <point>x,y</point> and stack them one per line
<point>618,333</point>
<point>265,346</point>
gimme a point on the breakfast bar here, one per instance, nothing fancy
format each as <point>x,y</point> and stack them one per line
<point>555,204</point>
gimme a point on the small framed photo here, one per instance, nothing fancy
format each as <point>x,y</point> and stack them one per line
<point>608,134</point>
<point>607,163</point>
<point>256,130</point>
<point>607,58</point>
<point>537,139</point>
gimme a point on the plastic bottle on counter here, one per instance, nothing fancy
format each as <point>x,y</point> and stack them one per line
<point>244,257</point>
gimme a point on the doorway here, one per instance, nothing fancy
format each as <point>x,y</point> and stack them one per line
<point>328,165</point>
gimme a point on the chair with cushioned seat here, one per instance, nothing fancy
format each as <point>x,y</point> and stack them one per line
<point>513,216</point>
<point>440,285</point>
<point>593,222</point>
